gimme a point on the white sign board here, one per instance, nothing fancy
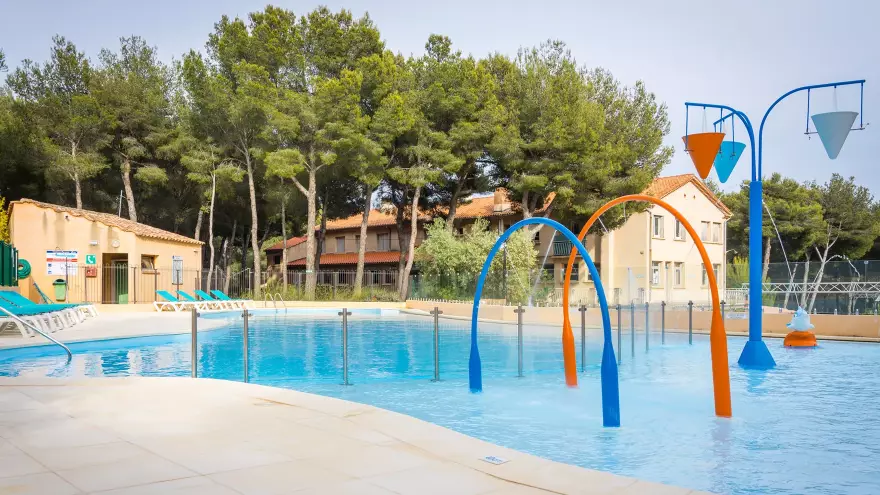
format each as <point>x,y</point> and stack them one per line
<point>177,270</point>
<point>61,262</point>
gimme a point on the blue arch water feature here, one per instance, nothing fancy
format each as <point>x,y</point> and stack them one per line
<point>610,385</point>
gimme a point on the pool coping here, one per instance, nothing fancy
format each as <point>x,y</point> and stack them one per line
<point>174,420</point>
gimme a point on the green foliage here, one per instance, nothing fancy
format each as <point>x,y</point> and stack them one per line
<point>850,213</point>
<point>450,264</point>
<point>4,220</point>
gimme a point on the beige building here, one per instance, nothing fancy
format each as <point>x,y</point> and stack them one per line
<point>100,257</point>
<point>649,258</point>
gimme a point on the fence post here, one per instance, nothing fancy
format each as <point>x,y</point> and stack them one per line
<point>436,314</point>
<point>722,309</point>
<point>662,322</point>
<point>690,322</point>
<point>344,314</point>
<point>647,323</point>
<point>155,284</point>
<point>519,340</point>
<point>246,316</point>
<point>583,310</point>
<point>195,342</point>
<point>619,338</point>
<point>134,290</point>
<point>632,328</point>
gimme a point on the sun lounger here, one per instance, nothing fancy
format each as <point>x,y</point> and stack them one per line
<point>170,302</point>
<point>66,314</point>
<point>21,301</point>
<point>212,304</point>
<point>207,297</point>
<point>46,320</point>
<point>239,303</point>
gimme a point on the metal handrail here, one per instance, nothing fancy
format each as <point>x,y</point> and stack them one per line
<point>281,299</point>
<point>34,328</point>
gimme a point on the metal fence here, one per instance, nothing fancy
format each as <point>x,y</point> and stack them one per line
<point>8,265</point>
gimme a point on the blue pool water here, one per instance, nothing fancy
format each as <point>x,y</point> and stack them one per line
<point>808,426</point>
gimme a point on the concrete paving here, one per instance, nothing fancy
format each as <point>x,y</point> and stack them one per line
<point>144,436</point>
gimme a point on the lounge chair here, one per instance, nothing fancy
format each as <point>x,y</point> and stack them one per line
<point>47,321</point>
<point>171,302</point>
<point>202,305</point>
<point>21,301</point>
<point>237,303</point>
<point>67,314</point>
<point>207,297</point>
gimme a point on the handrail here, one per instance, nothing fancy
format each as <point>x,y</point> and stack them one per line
<point>33,327</point>
<point>281,299</point>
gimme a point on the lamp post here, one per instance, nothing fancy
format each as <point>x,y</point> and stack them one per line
<point>830,127</point>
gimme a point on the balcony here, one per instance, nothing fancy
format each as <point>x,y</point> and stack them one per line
<point>562,248</point>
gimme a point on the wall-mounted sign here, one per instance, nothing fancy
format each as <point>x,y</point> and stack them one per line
<point>91,259</point>
<point>177,270</point>
<point>61,262</point>
<point>91,271</point>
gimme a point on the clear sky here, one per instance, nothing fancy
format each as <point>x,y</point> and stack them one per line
<point>744,53</point>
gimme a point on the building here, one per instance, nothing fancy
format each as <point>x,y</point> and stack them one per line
<point>649,258</point>
<point>100,257</point>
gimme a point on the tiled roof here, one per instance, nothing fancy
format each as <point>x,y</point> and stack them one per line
<point>664,186</point>
<point>111,220</point>
<point>293,241</point>
<point>483,207</point>
<point>378,218</point>
<point>370,258</point>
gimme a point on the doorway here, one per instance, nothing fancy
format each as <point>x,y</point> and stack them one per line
<point>115,267</point>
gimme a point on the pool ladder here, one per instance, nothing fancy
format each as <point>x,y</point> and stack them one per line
<point>275,298</point>
<point>34,328</point>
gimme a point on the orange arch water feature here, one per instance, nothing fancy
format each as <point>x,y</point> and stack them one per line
<point>717,335</point>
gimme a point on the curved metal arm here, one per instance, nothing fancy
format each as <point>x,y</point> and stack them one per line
<point>34,328</point>
<point>746,122</point>
<point>796,90</point>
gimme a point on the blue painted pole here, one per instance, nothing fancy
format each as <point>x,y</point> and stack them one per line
<point>608,371</point>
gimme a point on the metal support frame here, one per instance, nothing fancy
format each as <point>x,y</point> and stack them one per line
<point>34,328</point>
<point>662,322</point>
<point>345,314</point>
<point>619,337</point>
<point>632,329</point>
<point>519,340</point>
<point>690,322</point>
<point>755,353</point>
<point>246,315</point>
<point>583,310</point>
<point>195,342</point>
<point>647,324</point>
<point>436,313</point>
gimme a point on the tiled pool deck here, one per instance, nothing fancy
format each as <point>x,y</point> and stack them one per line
<point>139,436</point>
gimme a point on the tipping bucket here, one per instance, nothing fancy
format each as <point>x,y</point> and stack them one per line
<point>833,129</point>
<point>726,159</point>
<point>703,149</point>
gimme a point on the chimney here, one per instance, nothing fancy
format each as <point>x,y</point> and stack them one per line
<point>501,202</point>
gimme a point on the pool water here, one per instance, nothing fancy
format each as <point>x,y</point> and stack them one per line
<point>808,426</point>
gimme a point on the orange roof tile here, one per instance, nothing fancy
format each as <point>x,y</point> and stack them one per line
<point>370,258</point>
<point>293,241</point>
<point>111,220</point>
<point>378,218</point>
<point>664,186</point>
<point>483,207</point>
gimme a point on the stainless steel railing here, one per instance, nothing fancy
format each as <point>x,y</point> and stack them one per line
<point>34,328</point>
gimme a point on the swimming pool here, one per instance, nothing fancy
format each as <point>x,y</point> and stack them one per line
<point>807,426</point>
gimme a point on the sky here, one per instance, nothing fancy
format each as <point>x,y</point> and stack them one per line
<point>742,53</point>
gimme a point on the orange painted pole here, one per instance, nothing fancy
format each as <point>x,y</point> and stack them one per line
<point>717,335</point>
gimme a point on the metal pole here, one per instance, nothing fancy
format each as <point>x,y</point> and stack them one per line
<point>632,328</point>
<point>662,322</point>
<point>246,316</point>
<point>583,310</point>
<point>519,340</point>
<point>436,314</point>
<point>195,342</point>
<point>344,314</point>
<point>722,309</point>
<point>690,322</point>
<point>647,323</point>
<point>619,338</point>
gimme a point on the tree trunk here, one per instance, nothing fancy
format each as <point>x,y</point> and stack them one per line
<point>211,229</point>
<point>414,229</point>
<point>254,225</point>
<point>362,245</point>
<point>311,276</point>
<point>803,300</point>
<point>129,193</point>
<point>823,259</point>
<point>766,267</point>
<point>788,289</point>
<point>76,182</point>
<point>199,218</point>
<point>453,207</point>
<point>283,246</point>
<point>321,239</point>
<point>402,235</point>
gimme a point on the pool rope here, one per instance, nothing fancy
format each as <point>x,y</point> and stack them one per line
<point>717,334</point>
<point>609,378</point>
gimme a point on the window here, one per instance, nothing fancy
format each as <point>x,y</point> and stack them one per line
<point>575,272</point>
<point>148,263</point>
<point>655,273</point>
<point>716,232</point>
<point>384,242</point>
<point>357,241</point>
<point>340,244</point>
<point>548,272</point>
<point>598,270</point>
<point>704,231</point>
<point>460,231</point>
<point>678,274</point>
<point>679,230</point>
<point>704,281</point>
<point>658,226</point>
